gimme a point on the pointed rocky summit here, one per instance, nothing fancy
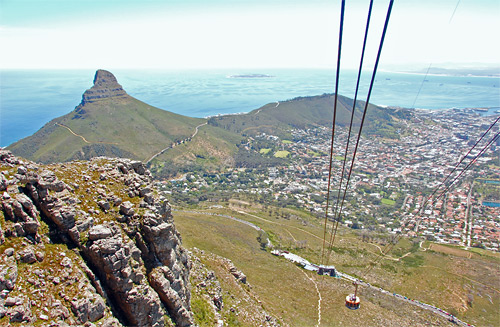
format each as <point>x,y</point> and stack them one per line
<point>107,122</point>
<point>105,86</point>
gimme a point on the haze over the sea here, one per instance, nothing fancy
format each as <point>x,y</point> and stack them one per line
<point>243,33</point>
<point>66,41</point>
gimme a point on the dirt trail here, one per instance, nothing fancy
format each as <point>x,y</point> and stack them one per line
<point>349,278</point>
<point>80,136</point>
<point>319,238</point>
<point>319,295</point>
<point>173,145</point>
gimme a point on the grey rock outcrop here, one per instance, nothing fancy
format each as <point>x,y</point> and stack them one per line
<point>105,86</point>
<point>8,274</point>
<point>137,269</point>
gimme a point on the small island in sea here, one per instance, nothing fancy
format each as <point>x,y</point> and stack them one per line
<point>250,76</point>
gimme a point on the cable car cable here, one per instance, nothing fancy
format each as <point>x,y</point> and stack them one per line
<point>341,29</point>
<point>362,120</point>
<point>398,236</point>
<point>354,105</point>
<point>473,161</point>
<point>430,65</point>
<point>460,162</point>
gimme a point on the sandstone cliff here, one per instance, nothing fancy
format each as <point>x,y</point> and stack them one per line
<point>88,242</point>
<point>105,87</point>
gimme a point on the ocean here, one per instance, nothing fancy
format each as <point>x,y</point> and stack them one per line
<point>31,98</point>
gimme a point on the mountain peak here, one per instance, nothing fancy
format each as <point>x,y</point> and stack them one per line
<point>104,77</point>
<point>105,86</point>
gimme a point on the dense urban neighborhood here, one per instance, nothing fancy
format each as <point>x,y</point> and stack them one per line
<point>391,181</point>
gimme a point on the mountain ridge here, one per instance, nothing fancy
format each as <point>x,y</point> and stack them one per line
<point>109,122</point>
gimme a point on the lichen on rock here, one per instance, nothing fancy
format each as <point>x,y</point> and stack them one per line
<point>127,265</point>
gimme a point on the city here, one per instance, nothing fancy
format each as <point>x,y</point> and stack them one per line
<point>391,181</point>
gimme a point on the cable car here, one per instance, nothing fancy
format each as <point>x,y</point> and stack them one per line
<point>352,300</point>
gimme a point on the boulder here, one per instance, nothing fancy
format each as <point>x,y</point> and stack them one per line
<point>104,205</point>
<point>8,274</point>
<point>66,262</point>
<point>90,308</point>
<point>138,167</point>
<point>117,201</point>
<point>143,191</point>
<point>27,255</point>
<point>12,301</point>
<point>48,180</point>
<point>21,170</point>
<point>31,226</point>
<point>127,208</point>
<point>9,252</point>
<point>19,313</point>
<point>99,232</point>
<point>25,201</point>
<point>3,182</point>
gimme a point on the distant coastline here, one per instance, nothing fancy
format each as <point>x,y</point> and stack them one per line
<point>447,75</point>
<point>488,73</point>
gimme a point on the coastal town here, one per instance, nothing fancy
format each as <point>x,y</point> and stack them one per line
<point>391,182</point>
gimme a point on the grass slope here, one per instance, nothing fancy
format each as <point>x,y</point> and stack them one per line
<point>211,149</point>
<point>465,284</point>
<point>307,112</point>
<point>123,127</point>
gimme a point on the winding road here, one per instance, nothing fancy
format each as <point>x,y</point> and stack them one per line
<point>173,144</point>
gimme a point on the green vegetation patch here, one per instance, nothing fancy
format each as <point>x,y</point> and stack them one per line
<point>413,261</point>
<point>264,151</point>
<point>303,235</point>
<point>282,154</point>
<point>203,313</point>
<point>314,153</point>
<point>287,142</point>
<point>388,202</point>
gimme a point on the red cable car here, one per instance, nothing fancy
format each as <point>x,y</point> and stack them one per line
<point>352,300</point>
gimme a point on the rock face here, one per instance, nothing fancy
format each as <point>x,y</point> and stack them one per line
<point>127,265</point>
<point>105,86</point>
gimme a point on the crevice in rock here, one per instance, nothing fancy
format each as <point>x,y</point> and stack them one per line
<point>108,292</point>
<point>148,256</point>
<point>56,236</point>
<point>151,262</point>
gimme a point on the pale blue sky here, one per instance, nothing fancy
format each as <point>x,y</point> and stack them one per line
<point>241,33</point>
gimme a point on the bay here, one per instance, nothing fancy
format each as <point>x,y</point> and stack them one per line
<point>31,98</point>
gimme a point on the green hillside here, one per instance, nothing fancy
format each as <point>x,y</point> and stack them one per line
<point>211,149</point>
<point>109,122</point>
<point>307,112</point>
<point>458,281</point>
<point>116,125</point>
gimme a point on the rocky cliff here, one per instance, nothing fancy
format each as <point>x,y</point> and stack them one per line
<point>86,242</point>
<point>105,86</point>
